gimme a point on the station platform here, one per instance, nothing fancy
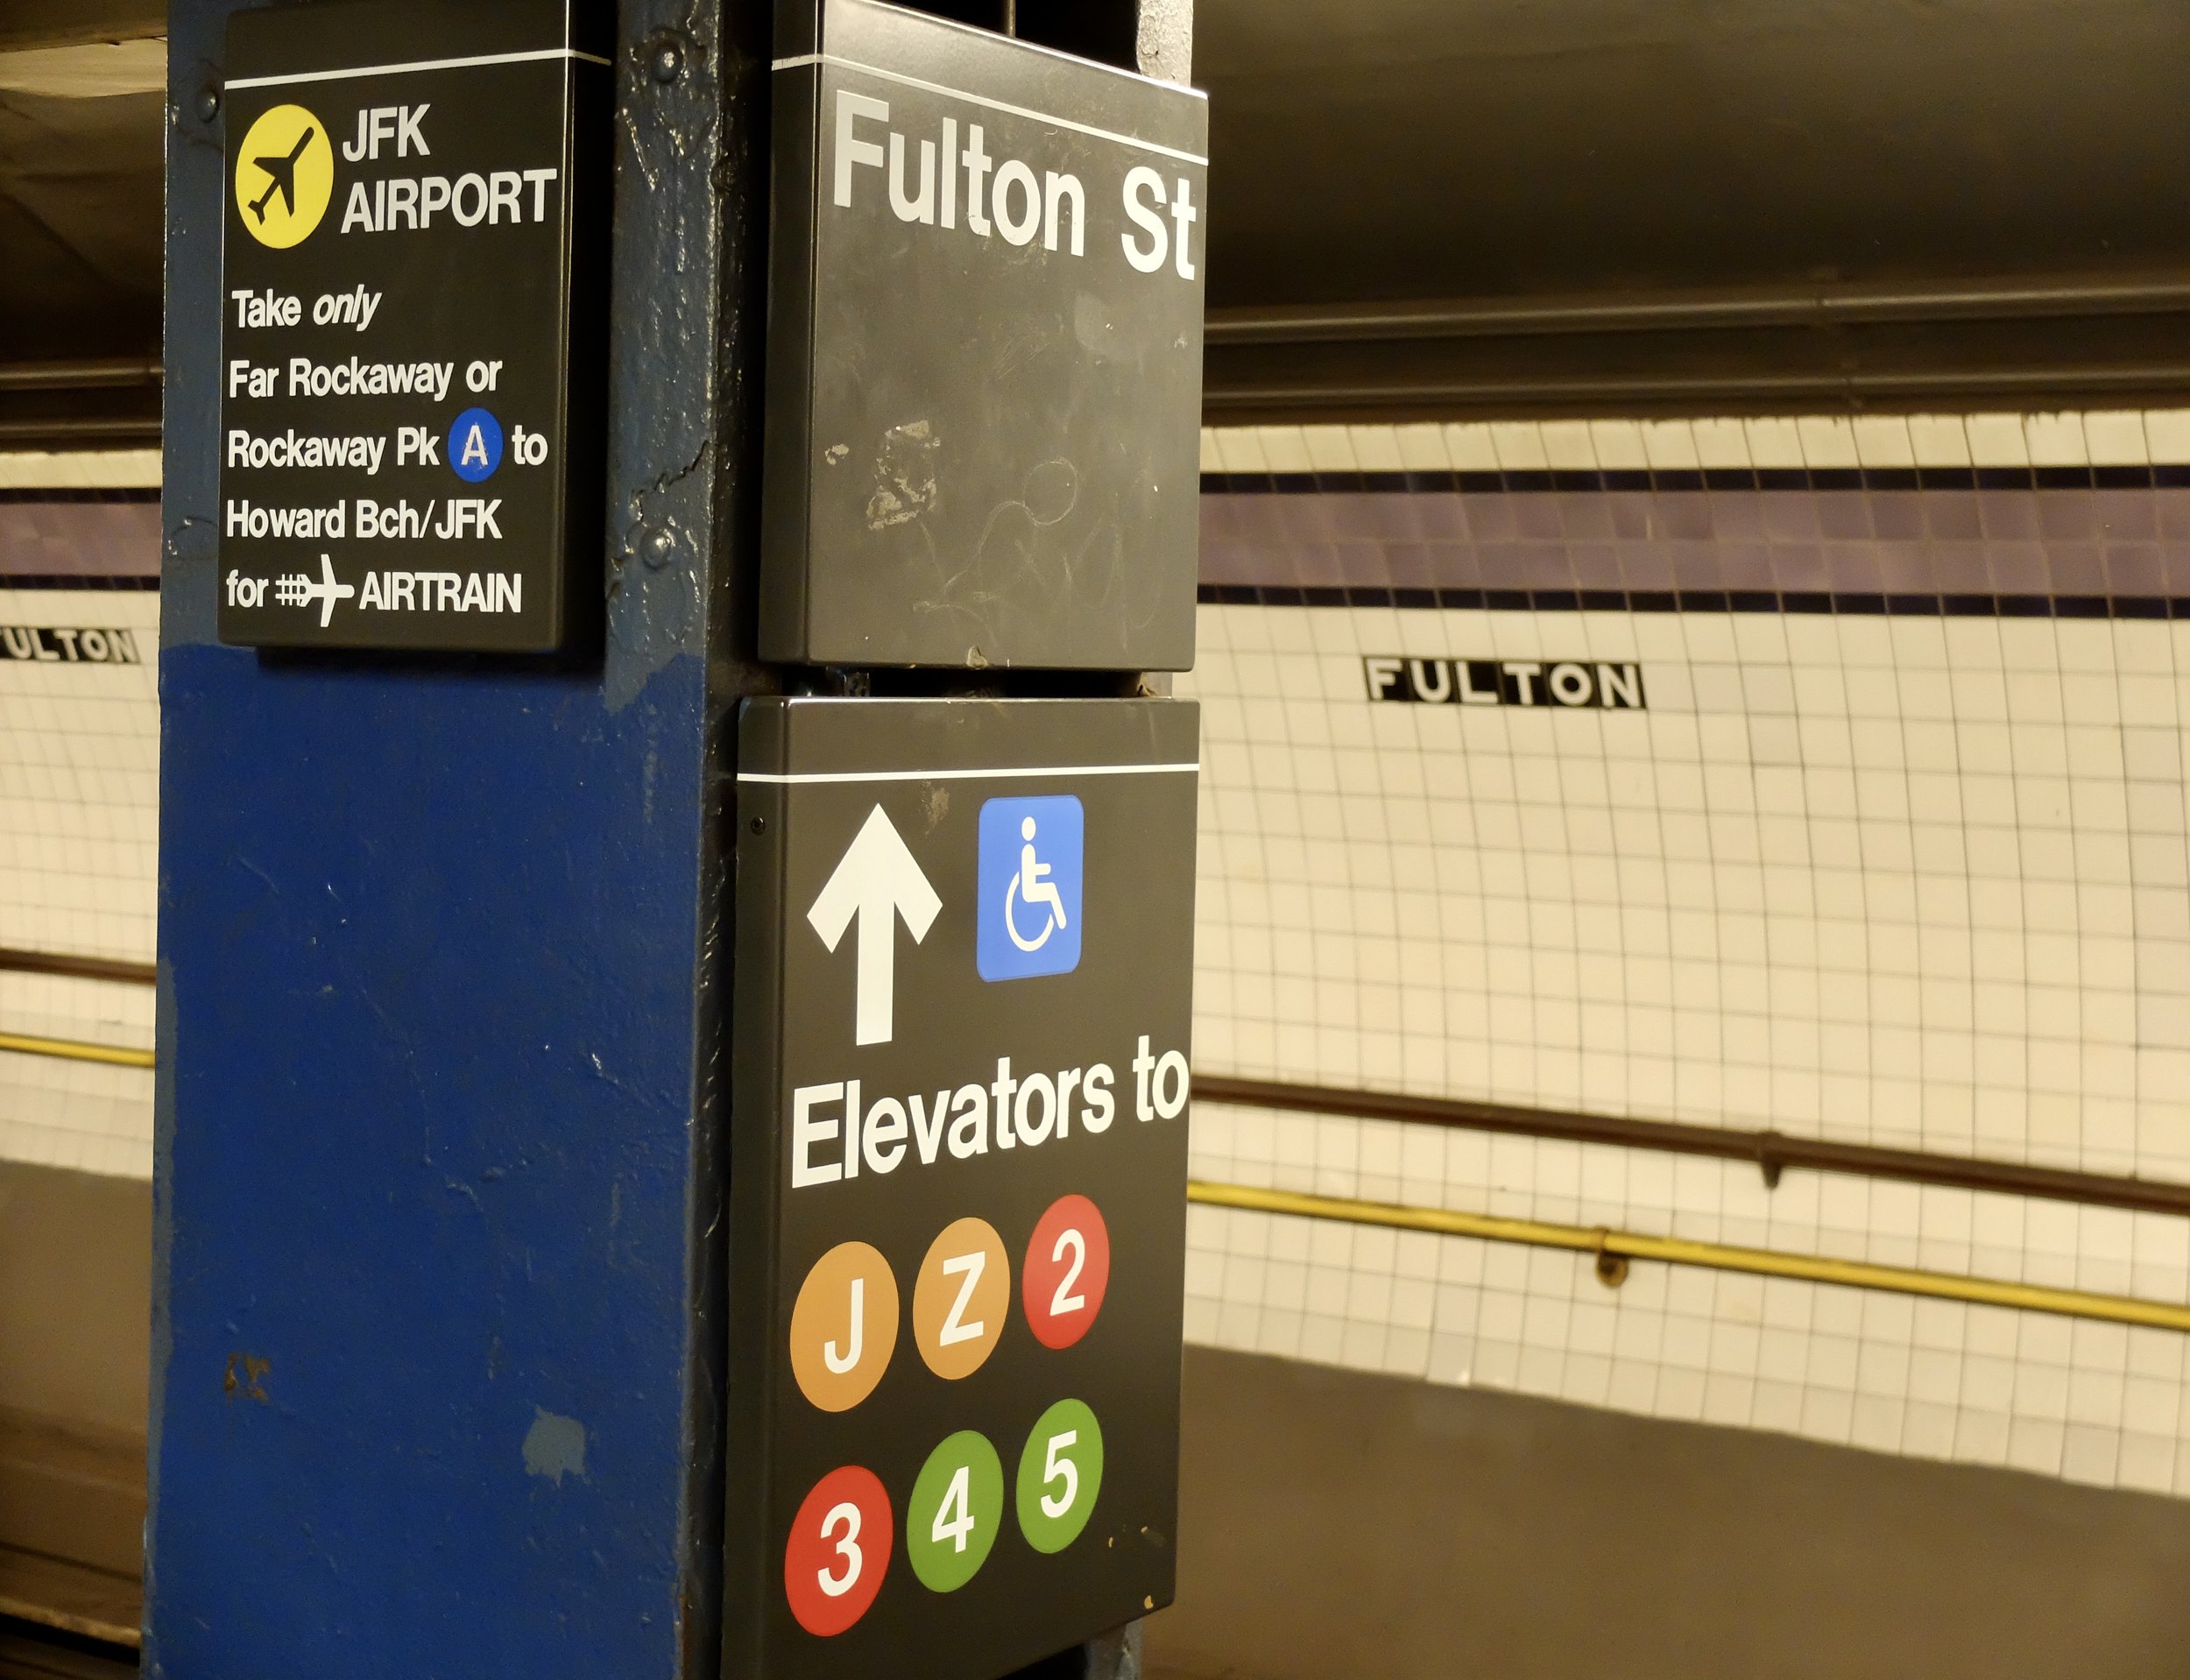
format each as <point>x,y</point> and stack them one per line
<point>1337,1525</point>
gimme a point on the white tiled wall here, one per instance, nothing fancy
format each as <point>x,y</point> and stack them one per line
<point>79,791</point>
<point>80,470</point>
<point>1920,882</point>
<point>2096,1402</point>
<point>1913,881</point>
<point>2116,438</point>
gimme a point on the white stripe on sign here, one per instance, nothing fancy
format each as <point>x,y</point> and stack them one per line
<point>1019,44</point>
<point>416,64</point>
<point>999,772</point>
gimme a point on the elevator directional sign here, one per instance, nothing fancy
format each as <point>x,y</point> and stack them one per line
<point>963,990</point>
<point>412,325</point>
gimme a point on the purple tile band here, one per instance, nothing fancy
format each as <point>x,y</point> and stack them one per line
<point>2094,541</point>
<point>56,538</point>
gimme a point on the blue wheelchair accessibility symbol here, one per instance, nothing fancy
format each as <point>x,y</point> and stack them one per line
<point>1029,917</point>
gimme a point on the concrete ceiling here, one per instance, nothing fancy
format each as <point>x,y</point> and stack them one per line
<point>1428,148</point>
<point>81,223</point>
<point>80,220</point>
<point>1425,153</point>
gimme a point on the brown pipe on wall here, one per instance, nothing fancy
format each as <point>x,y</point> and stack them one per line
<point>1772,1151</point>
<point>79,968</point>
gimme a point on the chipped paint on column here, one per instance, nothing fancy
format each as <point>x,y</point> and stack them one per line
<point>555,1446</point>
<point>1165,40</point>
<point>666,443</point>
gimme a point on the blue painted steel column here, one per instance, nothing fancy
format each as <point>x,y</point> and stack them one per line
<point>442,973</point>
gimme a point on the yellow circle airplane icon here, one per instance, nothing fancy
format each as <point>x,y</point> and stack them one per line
<point>284,175</point>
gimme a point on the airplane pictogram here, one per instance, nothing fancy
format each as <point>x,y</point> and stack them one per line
<point>281,177</point>
<point>284,176</point>
<point>299,589</point>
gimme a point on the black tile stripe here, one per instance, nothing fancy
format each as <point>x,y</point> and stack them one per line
<point>78,580</point>
<point>1810,478</point>
<point>1903,606</point>
<point>132,494</point>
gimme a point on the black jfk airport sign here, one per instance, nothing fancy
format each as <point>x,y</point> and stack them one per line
<point>962,1008</point>
<point>985,349</point>
<point>412,296</point>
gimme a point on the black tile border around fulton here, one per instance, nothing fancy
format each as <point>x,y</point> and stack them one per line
<point>1904,606</point>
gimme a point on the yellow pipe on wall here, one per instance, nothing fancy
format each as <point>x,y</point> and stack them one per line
<point>1681,1251</point>
<point>70,1049</point>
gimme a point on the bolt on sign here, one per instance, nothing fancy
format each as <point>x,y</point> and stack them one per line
<point>959,1175</point>
<point>412,325</point>
<point>985,349</point>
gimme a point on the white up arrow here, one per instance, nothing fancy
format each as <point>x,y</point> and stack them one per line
<point>877,881</point>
